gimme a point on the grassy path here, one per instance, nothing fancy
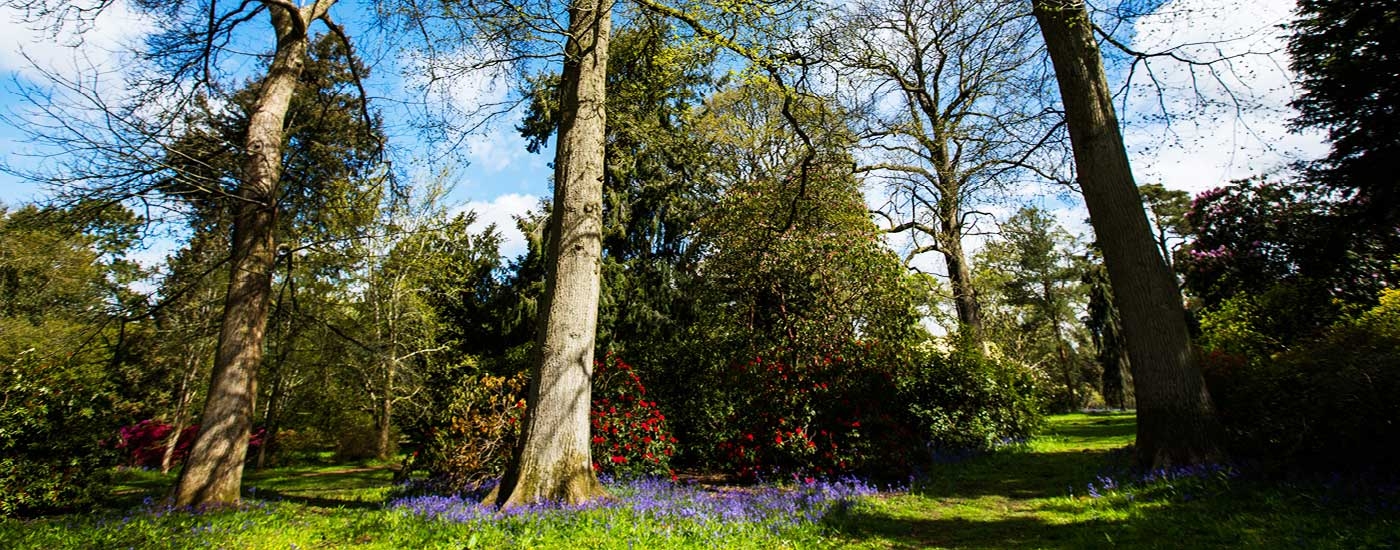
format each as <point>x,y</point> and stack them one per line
<point>1040,497</point>
<point>1000,500</point>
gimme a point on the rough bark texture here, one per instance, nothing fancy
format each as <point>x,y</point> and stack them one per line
<point>960,275</point>
<point>552,462</point>
<point>1176,421</point>
<point>213,472</point>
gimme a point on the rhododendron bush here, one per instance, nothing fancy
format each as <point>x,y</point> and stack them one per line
<point>472,445</point>
<point>143,444</point>
<point>825,414</point>
<point>630,437</point>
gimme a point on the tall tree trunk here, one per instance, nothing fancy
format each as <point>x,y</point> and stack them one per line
<point>964,294</point>
<point>272,417</point>
<point>1176,420</point>
<point>182,409</point>
<point>386,411</point>
<point>552,461</point>
<point>213,471</point>
<point>1061,348</point>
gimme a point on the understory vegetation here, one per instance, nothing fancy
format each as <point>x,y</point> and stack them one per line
<point>1071,487</point>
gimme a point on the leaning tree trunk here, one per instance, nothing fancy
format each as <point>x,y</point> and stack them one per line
<point>1176,421</point>
<point>182,411</point>
<point>552,461</point>
<point>213,471</point>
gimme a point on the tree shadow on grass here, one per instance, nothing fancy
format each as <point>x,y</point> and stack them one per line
<point>1021,475</point>
<point>1010,499</point>
<point>319,500</point>
<point>1013,532</point>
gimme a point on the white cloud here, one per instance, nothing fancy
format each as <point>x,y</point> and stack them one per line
<point>502,211</point>
<point>478,98</point>
<point>1227,121</point>
<point>102,44</point>
<point>497,149</point>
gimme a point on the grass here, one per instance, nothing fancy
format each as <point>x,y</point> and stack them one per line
<point>1072,488</point>
<point>1069,488</point>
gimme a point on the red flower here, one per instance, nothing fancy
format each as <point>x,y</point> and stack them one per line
<point>598,440</point>
<point>619,459</point>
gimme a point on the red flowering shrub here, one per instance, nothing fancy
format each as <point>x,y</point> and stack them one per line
<point>143,443</point>
<point>630,437</point>
<point>827,415</point>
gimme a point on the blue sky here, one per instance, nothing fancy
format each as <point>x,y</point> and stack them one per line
<point>1206,144</point>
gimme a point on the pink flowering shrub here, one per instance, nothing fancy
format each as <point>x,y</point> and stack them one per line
<point>143,444</point>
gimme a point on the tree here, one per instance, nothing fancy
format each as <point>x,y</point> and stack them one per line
<point>1176,419</point>
<point>553,461</point>
<point>654,186</point>
<point>120,157</point>
<point>965,123</point>
<point>1339,47</point>
<point>1041,277</point>
<point>790,264</point>
<point>1106,328</point>
<point>1167,209</point>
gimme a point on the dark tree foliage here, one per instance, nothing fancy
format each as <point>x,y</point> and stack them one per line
<point>1255,235</point>
<point>1347,56</point>
<point>1106,329</point>
<point>653,191</point>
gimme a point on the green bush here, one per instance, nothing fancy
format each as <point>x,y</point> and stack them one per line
<point>1323,403</point>
<point>964,400</point>
<point>53,420</point>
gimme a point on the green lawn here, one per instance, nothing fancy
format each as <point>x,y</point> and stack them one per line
<point>1035,496</point>
<point>1039,497</point>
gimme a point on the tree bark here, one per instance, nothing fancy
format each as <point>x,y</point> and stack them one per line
<point>552,461</point>
<point>960,277</point>
<point>386,412</point>
<point>182,408</point>
<point>213,472</point>
<point>1176,420</point>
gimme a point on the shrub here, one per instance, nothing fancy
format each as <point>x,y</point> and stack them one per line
<point>827,415</point>
<point>630,437</point>
<point>1324,403</point>
<point>473,440</point>
<point>143,444</point>
<point>360,441</point>
<point>53,418</point>
<point>964,400</point>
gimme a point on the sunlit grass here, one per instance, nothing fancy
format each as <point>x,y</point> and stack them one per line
<point>1072,487</point>
<point>1069,488</point>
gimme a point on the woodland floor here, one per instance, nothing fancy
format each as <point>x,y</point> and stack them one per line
<point>1068,488</point>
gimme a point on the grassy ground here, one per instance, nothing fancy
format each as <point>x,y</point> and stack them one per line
<point>1069,488</point>
<point>1051,495</point>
